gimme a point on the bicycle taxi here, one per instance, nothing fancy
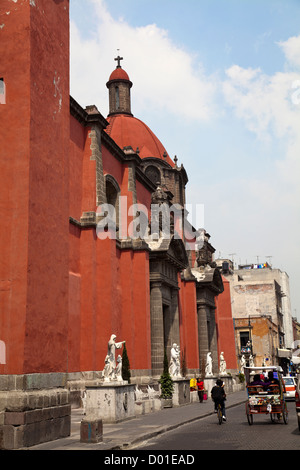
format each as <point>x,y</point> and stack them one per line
<point>267,398</point>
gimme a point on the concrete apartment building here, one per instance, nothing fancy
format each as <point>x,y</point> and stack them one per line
<point>261,311</point>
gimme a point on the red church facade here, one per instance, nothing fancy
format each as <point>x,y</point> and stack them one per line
<point>69,280</point>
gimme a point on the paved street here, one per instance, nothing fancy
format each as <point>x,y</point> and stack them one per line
<point>235,434</point>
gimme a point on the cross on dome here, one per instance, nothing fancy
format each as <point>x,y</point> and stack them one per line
<point>119,60</point>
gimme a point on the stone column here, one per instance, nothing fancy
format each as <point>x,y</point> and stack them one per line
<point>213,341</point>
<point>175,335</point>
<point>202,333</point>
<point>157,328</point>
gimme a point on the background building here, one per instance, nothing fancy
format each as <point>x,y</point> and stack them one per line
<point>261,311</point>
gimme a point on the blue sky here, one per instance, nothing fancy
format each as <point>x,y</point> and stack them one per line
<point>218,82</point>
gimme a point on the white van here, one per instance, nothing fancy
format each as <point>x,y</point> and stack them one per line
<point>290,387</point>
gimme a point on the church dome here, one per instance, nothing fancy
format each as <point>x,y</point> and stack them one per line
<point>119,74</point>
<point>124,128</point>
<point>128,131</point>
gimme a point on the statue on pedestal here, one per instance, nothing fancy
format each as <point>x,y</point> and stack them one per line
<point>174,369</point>
<point>208,366</point>
<point>242,363</point>
<point>110,371</point>
<point>222,370</point>
<point>119,369</point>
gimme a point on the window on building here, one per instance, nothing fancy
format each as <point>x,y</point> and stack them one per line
<point>244,338</point>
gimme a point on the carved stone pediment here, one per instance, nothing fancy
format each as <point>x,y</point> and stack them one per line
<point>208,278</point>
<point>172,249</point>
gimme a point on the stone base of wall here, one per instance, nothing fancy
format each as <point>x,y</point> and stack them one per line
<point>31,411</point>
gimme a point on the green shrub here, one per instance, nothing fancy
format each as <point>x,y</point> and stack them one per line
<point>126,375</point>
<point>166,383</point>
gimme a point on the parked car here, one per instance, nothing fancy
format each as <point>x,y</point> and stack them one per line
<point>290,387</point>
<point>297,400</point>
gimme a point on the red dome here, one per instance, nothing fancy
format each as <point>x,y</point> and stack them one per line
<point>129,131</point>
<point>119,74</point>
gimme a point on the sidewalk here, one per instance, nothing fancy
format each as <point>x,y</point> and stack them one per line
<point>121,436</point>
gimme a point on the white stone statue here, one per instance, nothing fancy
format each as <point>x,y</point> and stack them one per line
<point>151,392</point>
<point>174,368</point>
<point>251,361</point>
<point>109,370</point>
<point>119,369</point>
<point>139,394</point>
<point>242,363</point>
<point>222,369</point>
<point>208,366</point>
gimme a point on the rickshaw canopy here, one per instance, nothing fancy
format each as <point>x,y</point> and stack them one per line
<point>249,369</point>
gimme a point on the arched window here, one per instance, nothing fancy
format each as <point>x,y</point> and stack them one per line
<point>153,174</point>
<point>112,190</point>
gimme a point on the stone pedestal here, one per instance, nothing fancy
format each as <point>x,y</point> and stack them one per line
<point>210,382</point>
<point>228,381</point>
<point>181,394</point>
<point>110,402</point>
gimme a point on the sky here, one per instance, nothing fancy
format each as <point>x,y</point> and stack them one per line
<point>218,82</point>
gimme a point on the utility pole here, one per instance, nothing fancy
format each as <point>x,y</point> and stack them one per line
<point>231,256</point>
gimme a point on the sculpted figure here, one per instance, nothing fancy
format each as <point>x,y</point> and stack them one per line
<point>243,363</point>
<point>222,365</point>
<point>119,369</point>
<point>208,366</point>
<point>251,361</point>
<point>174,368</point>
<point>109,371</point>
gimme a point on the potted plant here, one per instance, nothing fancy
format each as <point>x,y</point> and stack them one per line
<point>166,385</point>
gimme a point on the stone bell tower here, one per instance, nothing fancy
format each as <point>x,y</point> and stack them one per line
<point>119,87</point>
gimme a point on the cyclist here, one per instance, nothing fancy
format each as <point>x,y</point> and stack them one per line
<point>218,395</point>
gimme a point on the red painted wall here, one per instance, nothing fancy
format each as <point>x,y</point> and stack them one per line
<point>34,185</point>
<point>108,288</point>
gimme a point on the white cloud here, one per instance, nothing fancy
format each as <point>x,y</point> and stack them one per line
<point>269,109</point>
<point>165,75</point>
<point>291,49</point>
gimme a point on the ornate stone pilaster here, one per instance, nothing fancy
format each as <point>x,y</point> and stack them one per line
<point>202,333</point>
<point>157,328</point>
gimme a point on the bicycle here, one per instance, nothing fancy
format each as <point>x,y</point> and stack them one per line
<point>219,413</point>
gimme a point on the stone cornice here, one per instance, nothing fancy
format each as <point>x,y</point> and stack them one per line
<point>85,118</point>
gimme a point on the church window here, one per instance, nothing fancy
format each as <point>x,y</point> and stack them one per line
<point>112,194</point>
<point>153,174</point>
<point>117,97</point>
